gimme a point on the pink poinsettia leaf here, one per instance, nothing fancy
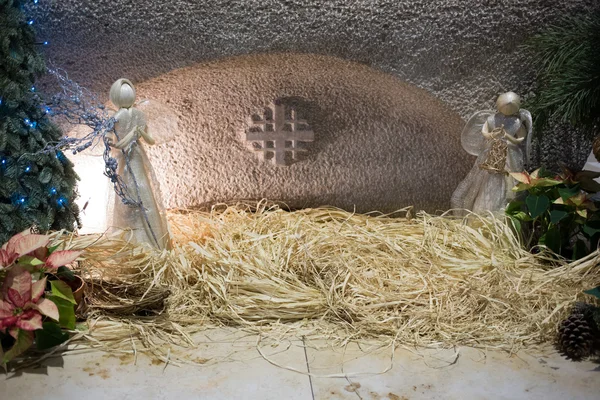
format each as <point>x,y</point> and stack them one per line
<point>10,245</point>
<point>30,322</point>
<point>48,308</point>
<point>28,243</point>
<point>61,258</point>
<point>6,258</point>
<point>522,177</point>
<point>37,290</point>
<point>6,309</point>
<point>17,287</point>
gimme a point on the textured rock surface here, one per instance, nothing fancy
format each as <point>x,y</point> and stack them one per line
<point>380,144</point>
<point>463,51</point>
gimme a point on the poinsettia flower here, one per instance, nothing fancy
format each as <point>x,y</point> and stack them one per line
<point>22,305</point>
<point>19,245</point>
<point>61,258</point>
<point>527,181</point>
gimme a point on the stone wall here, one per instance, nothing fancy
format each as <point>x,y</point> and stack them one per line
<point>464,52</point>
<point>376,142</point>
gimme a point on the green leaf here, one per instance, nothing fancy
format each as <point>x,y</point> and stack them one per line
<point>29,261</point>
<point>514,207</point>
<point>591,228</point>
<point>66,311</point>
<point>590,186</point>
<point>566,193</point>
<point>545,182</point>
<point>49,336</point>
<point>62,290</point>
<point>516,224</point>
<point>65,273</point>
<point>594,292</point>
<point>537,205</point>
<point>521,187</point>
<point>51,249</point>
<point>23,342</point>
<point>551,239</point>
<point>580,250</point>
<point>557,215</point>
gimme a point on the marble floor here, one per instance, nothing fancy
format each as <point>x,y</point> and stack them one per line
<point>228,364</point>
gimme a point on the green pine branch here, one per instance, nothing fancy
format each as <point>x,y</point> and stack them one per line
<point>567,56</point>
<point>36,189</point>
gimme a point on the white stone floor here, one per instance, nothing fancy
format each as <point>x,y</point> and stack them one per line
<point>231,365</point>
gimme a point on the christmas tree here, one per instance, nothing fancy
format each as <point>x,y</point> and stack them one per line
<point>37,187</point>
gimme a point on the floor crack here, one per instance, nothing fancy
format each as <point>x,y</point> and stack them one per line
<point>312,391</point>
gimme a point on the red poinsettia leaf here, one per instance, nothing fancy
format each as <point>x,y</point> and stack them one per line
<point>31,322</point>
<point>37,290</point>
<point>61,258</point>
<point>7,322</point>
<point>15,298</point>
<point>48,308</point>
<point>17,286</point>
<point>40,253</point>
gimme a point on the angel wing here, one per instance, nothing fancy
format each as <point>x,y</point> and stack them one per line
<point>472,139</point>
<point>527,121</point>
<point>161,120</point>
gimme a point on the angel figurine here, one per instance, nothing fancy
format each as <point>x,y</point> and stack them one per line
<point>502,143</point>
<point>148,220</point>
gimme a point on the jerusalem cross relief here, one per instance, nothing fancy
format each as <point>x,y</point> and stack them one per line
<point>279,135</point>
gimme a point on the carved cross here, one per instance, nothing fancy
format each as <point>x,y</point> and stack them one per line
<point>278,132</point>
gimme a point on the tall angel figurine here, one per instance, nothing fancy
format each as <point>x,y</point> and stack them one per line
<point>147,219</point>
<point>502,143</point>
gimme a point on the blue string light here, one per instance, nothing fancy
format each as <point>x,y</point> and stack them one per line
<point>28,168</point>
<point>53,191</point>
<point>33,88</point>
<point>30,22</point>
<point>30,123</point>
<point>62,202</point>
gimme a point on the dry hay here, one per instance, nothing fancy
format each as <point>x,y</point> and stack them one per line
<point>426,281</point>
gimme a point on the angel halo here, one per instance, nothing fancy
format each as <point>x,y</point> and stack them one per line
<point>502,143</point>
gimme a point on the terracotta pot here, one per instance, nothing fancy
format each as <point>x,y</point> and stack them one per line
<point>78,287</point>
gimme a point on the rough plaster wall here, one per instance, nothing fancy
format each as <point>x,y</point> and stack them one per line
<point>380,144</point>
<point>463,51</point>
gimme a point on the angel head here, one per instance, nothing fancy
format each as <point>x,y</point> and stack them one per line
<point>508,103</point>
<point>122,93</point>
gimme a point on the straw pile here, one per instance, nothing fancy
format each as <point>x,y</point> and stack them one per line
<point>427,280</point>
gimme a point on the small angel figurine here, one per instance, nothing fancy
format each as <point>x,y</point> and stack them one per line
<point>148,223</point>
<point>502,143</point>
